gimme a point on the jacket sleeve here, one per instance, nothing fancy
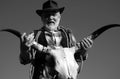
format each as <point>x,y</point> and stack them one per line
<point>25,53</point>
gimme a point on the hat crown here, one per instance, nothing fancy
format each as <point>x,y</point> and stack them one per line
<point>50,4</point>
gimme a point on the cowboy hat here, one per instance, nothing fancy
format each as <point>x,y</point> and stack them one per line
<point>50,6</point>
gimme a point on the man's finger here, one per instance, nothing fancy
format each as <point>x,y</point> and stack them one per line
<point>84,45</point>
<point>90,40</point>
<point>23,36</point>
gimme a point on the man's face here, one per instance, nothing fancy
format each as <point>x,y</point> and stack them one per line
<point>51,19</point>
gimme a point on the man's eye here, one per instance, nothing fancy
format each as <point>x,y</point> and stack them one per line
<point>54,14</point>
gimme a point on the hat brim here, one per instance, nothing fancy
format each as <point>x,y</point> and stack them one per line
<point>40,12</point>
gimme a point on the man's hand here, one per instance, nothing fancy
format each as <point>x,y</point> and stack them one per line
<point>87,42</point>
<point>28,40</point>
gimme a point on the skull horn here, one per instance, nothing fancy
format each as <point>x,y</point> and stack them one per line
<point>99,31</point>
<point>15,32</point>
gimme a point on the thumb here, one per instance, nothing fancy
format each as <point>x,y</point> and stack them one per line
<point>23,37</point>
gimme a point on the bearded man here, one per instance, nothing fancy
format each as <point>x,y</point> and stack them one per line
<point>52,50</point>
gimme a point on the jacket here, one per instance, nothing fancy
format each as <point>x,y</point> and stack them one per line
<point>37,60</point>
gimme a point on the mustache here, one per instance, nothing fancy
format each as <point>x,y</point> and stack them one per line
<point>51,20</point>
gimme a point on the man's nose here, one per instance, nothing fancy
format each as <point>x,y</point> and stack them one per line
<point>51,16</point>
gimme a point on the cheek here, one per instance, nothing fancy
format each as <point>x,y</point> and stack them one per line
<point>58,18</point>
<point>44,20</point>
